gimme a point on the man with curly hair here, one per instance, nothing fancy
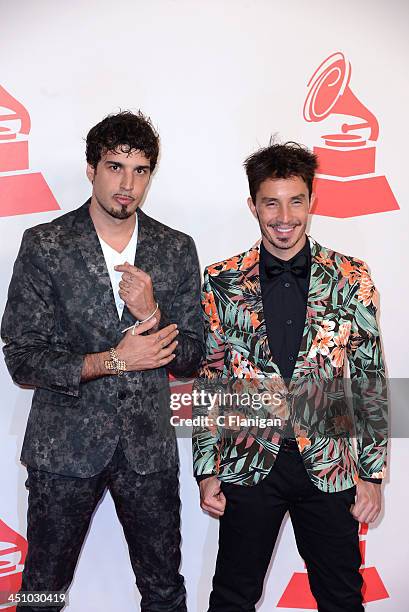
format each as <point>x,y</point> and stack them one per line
<point>285,318</point>
<point>103,303</point>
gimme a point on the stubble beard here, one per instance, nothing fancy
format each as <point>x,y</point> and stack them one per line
<point>285,244</point>
<point>124,212</point>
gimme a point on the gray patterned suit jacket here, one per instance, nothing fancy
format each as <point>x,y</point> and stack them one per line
<point>60,307</point>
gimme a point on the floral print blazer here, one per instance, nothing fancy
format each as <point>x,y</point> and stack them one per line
<point>337,445</point>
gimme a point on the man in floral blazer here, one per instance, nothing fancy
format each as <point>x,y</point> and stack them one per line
<point>288,317</point>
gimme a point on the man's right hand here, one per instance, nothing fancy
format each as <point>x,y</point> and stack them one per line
<point>212,499</point>
<point>148,352</point>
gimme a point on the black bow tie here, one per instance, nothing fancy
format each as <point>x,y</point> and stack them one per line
<point>297,266</point>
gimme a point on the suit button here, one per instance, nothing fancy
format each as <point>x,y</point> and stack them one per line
<point>291,358</point>
<point>121,395</point>
<point>289,321</point>
<point>287,285</point>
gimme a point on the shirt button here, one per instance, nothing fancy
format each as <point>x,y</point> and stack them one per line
<point>289,321</point>
<point>286,285</point>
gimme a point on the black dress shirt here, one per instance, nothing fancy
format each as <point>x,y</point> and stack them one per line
<point>285,305</point>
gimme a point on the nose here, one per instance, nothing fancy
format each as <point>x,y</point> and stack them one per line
<point>127,180</point>
<point>284,215</point>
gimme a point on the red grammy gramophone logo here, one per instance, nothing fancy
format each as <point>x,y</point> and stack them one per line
<point>298,594</point>
<point>13,551</point>
<point>346,185</point>
<point>21,191</point>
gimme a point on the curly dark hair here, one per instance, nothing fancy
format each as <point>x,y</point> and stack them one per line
<point>280,161</point>
<point>125,131</point>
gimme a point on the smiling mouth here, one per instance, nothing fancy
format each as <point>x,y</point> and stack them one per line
<point>283,229</point>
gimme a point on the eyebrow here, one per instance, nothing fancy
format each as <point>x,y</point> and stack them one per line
<point>116,163</point>
<point>300,196</point>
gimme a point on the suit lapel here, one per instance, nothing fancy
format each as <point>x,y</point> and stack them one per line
<point>147,258</point>
<point>321,289</point>
<point>250,290</point>
<point>90,249</point>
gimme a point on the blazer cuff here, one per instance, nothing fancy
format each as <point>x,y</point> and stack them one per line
<point>373,480</point>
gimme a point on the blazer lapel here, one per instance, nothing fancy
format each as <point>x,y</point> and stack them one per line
<point>147,257</point>
<point>250,292</point>
<point>102,298</point>
<point>321,289</point>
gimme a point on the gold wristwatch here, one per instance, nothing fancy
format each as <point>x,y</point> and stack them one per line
<point>119,365</point>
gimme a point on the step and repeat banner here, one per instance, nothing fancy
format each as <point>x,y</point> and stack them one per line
<point>218,79</point>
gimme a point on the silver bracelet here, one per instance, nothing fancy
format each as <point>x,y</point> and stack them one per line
<point>137,323</point>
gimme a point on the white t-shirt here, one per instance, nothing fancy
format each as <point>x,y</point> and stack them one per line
<point>113,258</point>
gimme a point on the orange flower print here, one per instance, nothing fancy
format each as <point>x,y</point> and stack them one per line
<point>366,291</point>
<point>303,443</point>
<point>214,322</point>
<point>337,355</point>
<point>254,320</point>
<point>325,261</point>
<point>210,309</point>
<point>250,259</point>
<point>231,264</point>
<point>237,371</point>
<point>323,340</point>
<point>215,269</point>
<point>349,271</point>
<point>208,304</point>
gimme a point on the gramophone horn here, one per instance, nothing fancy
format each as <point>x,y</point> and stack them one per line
<point>18,111</point>
<point>329,93</point>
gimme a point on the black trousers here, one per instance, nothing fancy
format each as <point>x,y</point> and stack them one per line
<point>326,535</point>
<point>59,513</point>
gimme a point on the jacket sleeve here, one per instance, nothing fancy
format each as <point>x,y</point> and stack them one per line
<point>206,437</point>
<point>369,385</point>
<point>185,311</point>
<point>32,354</point>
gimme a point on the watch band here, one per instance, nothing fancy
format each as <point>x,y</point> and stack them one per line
<point>119,365</point>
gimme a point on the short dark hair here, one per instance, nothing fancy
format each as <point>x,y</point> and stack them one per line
<point>125,131</point>
<point>280,161</point>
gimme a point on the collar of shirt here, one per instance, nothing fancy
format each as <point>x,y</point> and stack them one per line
<point>113,258</point>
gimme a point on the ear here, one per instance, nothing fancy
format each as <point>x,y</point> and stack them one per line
<point>90,173</point>
<point>312,200</point>
<point>252,207</point>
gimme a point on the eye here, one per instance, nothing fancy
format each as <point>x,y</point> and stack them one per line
<point>114,167</point>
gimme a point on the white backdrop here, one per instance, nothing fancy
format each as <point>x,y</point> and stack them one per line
<point>217,78</point>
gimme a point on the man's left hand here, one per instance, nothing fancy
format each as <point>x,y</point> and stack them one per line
<point>368,502</point>
<point>136,290</point>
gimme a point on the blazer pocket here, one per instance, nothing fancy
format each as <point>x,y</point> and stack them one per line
<point>44,396</point>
